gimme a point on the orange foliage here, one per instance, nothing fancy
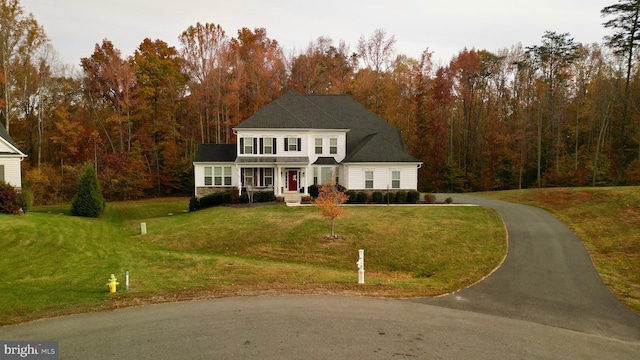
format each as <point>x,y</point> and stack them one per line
<point>328,201</point>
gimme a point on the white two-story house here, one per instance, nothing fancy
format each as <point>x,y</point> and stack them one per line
<point>300,140</point>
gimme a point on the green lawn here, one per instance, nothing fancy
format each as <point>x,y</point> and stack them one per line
<point>55,264</point>
<point>608,222</point>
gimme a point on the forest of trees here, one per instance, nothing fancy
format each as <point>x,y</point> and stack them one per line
<point>556,113</point>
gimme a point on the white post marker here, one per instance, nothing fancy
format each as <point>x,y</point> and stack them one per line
<point>360,264</point>
<point>143,228</point>
<point>127,281</point>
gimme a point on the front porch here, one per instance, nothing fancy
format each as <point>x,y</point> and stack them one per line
<point>284,180</point>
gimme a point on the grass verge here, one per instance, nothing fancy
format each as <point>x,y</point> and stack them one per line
<point>608,222</point>
<point>55,264</point>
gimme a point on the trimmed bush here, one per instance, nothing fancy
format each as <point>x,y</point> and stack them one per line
<point>214,199</point>
<point>9,199</point>
<point>377,197</point>
<point>448,200</point>
<point>388,198</point>
<point>413,196</point>
<point>352,197</point>
<point>362,197</point>
<point>313,191</point>
<point>88,201</point>
<point>258,196</point>
<point>263,196</point>
<point>401,197</point>
<point>194,204</point>
<point>429,198</point>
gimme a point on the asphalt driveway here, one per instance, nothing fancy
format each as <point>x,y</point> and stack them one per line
<point>547,278</point>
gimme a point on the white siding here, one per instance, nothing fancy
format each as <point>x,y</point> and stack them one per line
<point>355,176</point>
<point>307,143</point>
<point>12,175</point>
<point>326,137</point>
<point>4,147</point>
<point>198,173</point>
<point>280,136</point>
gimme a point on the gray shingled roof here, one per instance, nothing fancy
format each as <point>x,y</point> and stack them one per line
<point>369,138</point>
<point>216,153</point>
<point>290,111</point>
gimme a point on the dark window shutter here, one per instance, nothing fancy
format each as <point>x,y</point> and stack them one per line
<point>241,145</point>
<point>299,144</point>
<point>261,145</point>
<point>261,176</point>
<point>274,146</point>
<point>255,145</point>
<point>286,144</point>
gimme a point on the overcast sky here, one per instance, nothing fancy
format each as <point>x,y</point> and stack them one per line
<point>444,26</point>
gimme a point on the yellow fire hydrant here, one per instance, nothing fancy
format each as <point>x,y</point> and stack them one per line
<point>113,282</point>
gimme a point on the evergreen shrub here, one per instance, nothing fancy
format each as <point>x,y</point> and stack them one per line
<point>401,197</point>
<point>413,197</point>
<point>88,201</point>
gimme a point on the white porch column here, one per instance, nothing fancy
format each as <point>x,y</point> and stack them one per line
<point>277,181</point>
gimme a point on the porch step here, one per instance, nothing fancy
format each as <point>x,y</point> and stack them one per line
<point>292,198</point>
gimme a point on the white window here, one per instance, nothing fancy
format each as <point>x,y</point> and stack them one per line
<point>227,176</point>
<point>267,145</point>
<point>248,177</point>
<point>368,179</point>
<point>395,179</point>
<point>291,144</point>
<point>217,176</point>
<point>325,175</point>
<point>248,145</point>
<point>268,177</point>
<point>208,176</point>
<point>333,146</point>
<point>319,146</point>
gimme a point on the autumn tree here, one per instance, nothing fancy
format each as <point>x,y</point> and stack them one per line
<point>108,84</point>
<point>20,38</point>
<point>259,69</point>
<point>159,88</point>
<point>329,201</point>
<point>552,58</point>
<point>205,49</point>
<point>376,54</point>
<point>624,20</point>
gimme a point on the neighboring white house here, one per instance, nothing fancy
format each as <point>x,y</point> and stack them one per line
<point>10,158</point>
<point>300,140</point>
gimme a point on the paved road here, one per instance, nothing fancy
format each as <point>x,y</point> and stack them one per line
<point>545,302</point>
<point>312,327</point>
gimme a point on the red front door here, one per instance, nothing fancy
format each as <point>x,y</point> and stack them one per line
<point>293,180</point>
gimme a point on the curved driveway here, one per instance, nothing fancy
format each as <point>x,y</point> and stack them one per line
<point>545,302</point>
<point>547,278</point>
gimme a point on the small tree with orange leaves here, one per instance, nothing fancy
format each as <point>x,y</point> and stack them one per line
<point>329,200</point>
